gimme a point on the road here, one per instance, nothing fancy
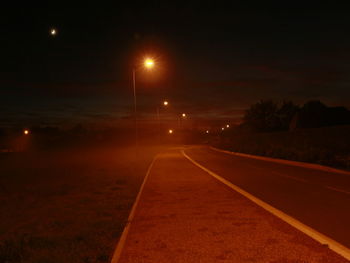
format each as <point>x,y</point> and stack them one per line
<point>317,198</point>
<point>183,214</point>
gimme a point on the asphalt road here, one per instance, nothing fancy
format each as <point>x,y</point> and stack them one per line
<point>317,198</point>
<point>183,214</point>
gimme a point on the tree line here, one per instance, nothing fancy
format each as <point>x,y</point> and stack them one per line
<point>268,116</point>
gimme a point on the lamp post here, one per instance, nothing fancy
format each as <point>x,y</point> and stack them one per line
<point>135,107</point>
<point>165,104</point>
<point>180,119</point>
<point>149,64</point>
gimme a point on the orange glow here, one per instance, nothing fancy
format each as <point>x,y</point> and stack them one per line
<point>26,132</point>
<point>207,131</point>
<point>184,115</point>
<point>227,126</point>
<point>149,63</point>
<point>171,131</point>
<point>165,103</point>
<point>222,128</point>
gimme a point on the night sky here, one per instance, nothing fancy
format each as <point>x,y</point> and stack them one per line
<point>212,59</point>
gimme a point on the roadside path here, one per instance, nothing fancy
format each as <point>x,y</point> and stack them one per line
<point>185,215</point>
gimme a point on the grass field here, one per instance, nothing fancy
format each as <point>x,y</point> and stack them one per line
<point>328,146</point>
<point>67,205</point>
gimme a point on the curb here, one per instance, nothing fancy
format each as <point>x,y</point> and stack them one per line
<point>119,248</point>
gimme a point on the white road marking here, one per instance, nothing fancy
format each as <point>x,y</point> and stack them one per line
<point>338,190</point>
<point>118,251</point>
<point>321,238</point>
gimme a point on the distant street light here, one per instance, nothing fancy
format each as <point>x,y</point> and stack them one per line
<point>227,126</point>
<point>207,131</point>
<point>165,103</point>
<point>170,131</point>
<point>222,128</point>
<point>183,115</point>
<point>26,132</point>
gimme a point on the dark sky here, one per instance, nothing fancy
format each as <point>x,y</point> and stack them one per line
<point>213,59</point>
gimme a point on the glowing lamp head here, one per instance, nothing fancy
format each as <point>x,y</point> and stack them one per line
<point>184,115</point>
<point>227,126</point>
<point>165,103</point>
<point>149,63</point>
<point>207,131</point>
<point>26,132</point>
<point>222,128</point>
<point>170,131</point>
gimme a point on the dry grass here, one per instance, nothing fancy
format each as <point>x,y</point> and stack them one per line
<point>67,206</point>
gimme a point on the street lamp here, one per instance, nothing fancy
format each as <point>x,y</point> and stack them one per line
<point>227,126</point>
<point>26,132</point>
<point>170,131</point>
<point>182,116</point>
<point>149,64</point>
<point>165,104</point>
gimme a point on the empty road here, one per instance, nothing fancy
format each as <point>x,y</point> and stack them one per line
<point>183,214</point>
<point>317,198</point>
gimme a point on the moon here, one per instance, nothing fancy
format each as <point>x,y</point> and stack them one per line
<point>53,31</point>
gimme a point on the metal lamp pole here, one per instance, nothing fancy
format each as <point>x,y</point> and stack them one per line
<point>148,63</point>
<point>135,107</point>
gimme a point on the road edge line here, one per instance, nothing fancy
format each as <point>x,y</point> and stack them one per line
<point>119,248</point>
<point>321,238</point>
<point>287,162</point>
